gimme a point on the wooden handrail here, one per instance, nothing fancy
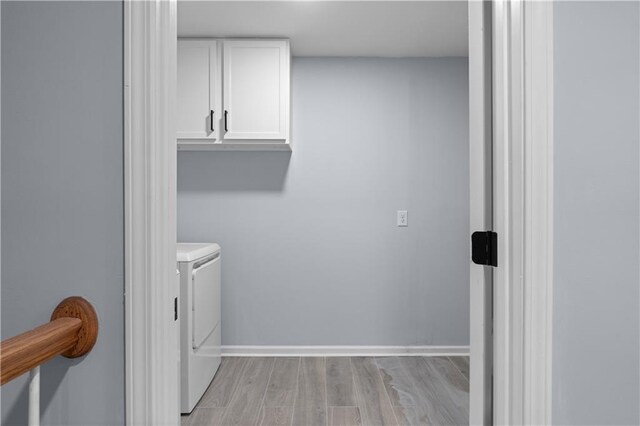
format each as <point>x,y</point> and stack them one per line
<point>72,332</point>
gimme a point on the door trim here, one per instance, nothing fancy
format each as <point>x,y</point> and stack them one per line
<point>523,210</point>
<point>151,358</point>
<point>538,261</point>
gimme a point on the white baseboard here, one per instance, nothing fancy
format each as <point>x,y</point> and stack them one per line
<point>246,351</point>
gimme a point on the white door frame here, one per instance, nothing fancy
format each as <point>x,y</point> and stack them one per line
<point>151,369</point>
<point>522,214</point>
<point>523,210</point>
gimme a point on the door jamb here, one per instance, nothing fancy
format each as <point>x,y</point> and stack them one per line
<point>480,217</point>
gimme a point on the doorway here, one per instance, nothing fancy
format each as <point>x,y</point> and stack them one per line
<point>316,262</point>
<point>166,38</point>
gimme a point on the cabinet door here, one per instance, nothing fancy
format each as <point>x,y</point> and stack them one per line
<point>199,110</point>
<point>256,89</point>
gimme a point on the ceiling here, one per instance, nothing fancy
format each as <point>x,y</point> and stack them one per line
<point>336,28</point>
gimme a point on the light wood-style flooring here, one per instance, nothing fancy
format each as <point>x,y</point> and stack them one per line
<point>336,391</point>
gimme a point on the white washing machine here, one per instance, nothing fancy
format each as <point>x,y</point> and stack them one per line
<point>200,339</point>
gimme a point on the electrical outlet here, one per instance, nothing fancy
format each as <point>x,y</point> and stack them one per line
<point>402,219</point>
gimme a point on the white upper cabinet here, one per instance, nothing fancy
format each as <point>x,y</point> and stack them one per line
<point>199,91</point>
<point>256,90</point>
<point>233,94</point>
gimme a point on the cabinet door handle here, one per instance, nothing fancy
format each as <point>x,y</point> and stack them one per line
<point>226,120</point>
<point>211,120</point>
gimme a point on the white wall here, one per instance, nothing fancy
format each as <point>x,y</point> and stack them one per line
<point>596,374</point>
<point>311,251</point>
<point>62,197</point>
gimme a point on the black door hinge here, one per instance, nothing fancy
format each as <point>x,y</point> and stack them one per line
<point>175,309</point>
<point>484,248</point>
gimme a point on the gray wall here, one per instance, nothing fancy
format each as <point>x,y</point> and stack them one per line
<point>311,251</point>
<point>596,296</point>
<point>62,197</point>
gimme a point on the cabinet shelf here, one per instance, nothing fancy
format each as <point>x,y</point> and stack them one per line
<point>234,146</point>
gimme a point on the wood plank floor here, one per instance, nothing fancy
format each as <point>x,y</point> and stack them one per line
<point>334,391</point>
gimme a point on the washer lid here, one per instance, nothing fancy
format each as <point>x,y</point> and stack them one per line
<point>188,252</point>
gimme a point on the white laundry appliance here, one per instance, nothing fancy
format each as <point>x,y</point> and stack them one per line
<point>200,339</point>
